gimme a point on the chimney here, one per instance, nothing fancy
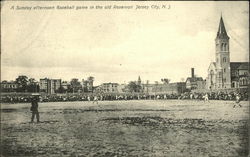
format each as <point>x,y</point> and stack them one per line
<point>192,72</point>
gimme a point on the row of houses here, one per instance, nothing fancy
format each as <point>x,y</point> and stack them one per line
<point>193,82</point>
<point>155,88</point>
<point>52,86</point>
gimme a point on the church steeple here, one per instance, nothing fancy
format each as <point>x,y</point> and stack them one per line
<point>222,53</point>
<point>139,80</point>
<point>222,33</point>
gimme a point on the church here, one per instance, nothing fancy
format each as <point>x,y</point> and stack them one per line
<point>222,73</point>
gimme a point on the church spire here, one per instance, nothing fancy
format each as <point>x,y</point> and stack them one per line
<point>139,80</point>
<point>222,33</point>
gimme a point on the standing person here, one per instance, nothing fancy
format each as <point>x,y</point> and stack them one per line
<point>88,98</point>
<point>34,109</point>
<point>191,96</point>
<point>95,99</point>
<point>206,97</point>
<point>237,102</point>
<point>165,96</point>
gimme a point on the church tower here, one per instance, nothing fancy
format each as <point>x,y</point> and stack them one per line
<point>223,75</point>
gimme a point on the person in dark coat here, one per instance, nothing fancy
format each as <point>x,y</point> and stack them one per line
<point>34,108</point>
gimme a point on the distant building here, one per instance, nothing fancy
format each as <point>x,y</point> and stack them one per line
<point>170,88</point>
<point>122,88</point>
<point>8,86</point>
<point>88,84</point>
<point>148,88</point>
<point>43,85</point>
<point>194,82</point>
<point>239,74</point>
<point>49,86</point>
<point>54,85</point>
<point>108,88</point>
<point>223,73</point>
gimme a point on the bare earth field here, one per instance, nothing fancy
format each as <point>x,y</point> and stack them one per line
<point>126,128</point>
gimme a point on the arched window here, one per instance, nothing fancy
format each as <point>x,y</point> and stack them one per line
<point>221,47</point>
<point>225,47</point>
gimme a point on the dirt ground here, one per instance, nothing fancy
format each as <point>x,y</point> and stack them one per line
<point>126,128</point>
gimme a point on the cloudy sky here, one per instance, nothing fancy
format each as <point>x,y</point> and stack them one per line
<point>118,45</point>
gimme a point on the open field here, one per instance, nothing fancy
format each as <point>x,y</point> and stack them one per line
<point>127,128</point>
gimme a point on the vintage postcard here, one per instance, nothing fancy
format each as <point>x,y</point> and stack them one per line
<point>125,78</point>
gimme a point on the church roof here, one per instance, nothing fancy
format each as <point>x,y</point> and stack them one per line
<point>212,66</point>
<point>214,63</point>
<point>222,33</point>
<point>239,65</point>
<point>194,79</point>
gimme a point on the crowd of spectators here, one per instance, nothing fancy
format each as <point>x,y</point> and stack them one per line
<point>132,96</point>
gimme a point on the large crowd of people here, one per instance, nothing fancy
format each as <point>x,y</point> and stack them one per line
<point>131,96</point>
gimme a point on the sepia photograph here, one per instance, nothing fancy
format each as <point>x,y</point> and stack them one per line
<point>124,78</point>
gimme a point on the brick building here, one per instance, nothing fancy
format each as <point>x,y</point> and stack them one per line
<point>194,82</point>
